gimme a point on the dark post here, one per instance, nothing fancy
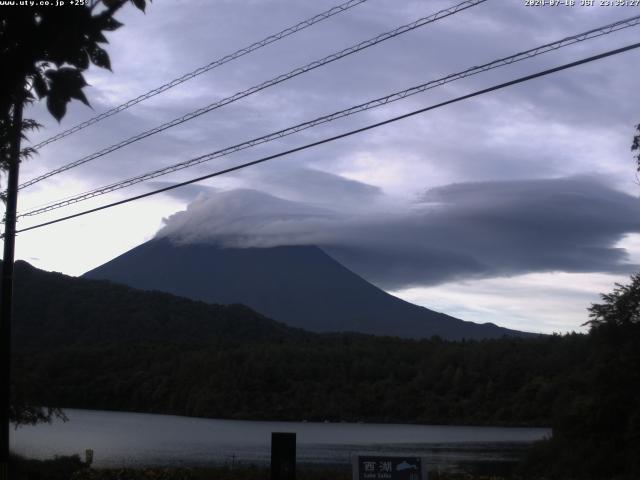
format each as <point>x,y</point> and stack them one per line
<point>283,456</point>
<point>7,286</point>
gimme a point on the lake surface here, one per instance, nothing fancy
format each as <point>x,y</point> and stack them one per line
<point>135,439</point>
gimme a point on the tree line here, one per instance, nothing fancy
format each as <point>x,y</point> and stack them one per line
<point>97,345</point>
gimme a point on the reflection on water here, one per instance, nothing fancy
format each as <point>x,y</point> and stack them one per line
<point>136,439</point>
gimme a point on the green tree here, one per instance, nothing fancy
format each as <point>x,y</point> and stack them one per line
<point>620,307</point>
<point>44,51</point>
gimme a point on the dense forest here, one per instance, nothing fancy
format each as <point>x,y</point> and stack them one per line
<point>596,433</point>
<point>94,344</point>
<point>331,377</point>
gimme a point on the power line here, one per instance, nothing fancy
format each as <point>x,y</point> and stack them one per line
<point>199,71</point>
<point>342,135</point>
<point>594,33</point>
<point>269,83</point>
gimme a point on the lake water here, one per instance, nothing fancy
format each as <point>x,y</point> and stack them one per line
<point>135,439</point>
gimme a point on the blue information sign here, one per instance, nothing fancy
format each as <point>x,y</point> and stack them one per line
<point>378,467</point>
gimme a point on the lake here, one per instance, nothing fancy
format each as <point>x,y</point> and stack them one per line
<point>136,439</point>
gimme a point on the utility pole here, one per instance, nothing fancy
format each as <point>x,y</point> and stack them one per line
<point>7,285</point>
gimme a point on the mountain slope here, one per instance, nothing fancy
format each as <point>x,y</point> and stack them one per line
<point>55,311</point>
<point>301,286</point>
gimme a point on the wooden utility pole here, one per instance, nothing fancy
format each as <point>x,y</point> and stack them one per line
<point>7,285</point>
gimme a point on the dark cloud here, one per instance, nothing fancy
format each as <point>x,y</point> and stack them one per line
<point>465,230</point>
<point>507,228</point>
<point>589,100</point>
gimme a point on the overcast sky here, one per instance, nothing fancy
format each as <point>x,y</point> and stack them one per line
<point>517,207</point>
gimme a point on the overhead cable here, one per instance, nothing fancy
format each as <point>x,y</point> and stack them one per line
<point>210,66</point>
<point>340,136</point>
<point>607,29</point>
<point>269,83</point>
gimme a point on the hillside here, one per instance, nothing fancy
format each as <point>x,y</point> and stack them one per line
<point>55,311</point>
<point>300,286</point>
<point>93,344</point>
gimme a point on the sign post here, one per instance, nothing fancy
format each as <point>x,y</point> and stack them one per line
<point>283,456</point>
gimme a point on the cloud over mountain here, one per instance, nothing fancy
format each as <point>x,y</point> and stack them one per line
<point>479,230</point>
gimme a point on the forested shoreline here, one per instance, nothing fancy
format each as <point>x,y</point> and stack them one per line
<point>94,344</point>
<point>98,345</point>
<point>338,377</point>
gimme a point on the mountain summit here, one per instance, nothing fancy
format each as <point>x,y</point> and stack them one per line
<point>301,286</point>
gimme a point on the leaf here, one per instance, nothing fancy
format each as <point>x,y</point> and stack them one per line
<point>28,152</point>
<point>30,124</point>
<point>71,82</point>
<point>106,22</point>
<point>140,4</point>
<point>51,73</point>
<point>81,60</point>
<point>71,77</point>
<point>56,106</point>
<point>65,83</point>
<point>79,95</point>
<point>99,37</point>
<point>40,85</point>
<point>112,24</point>
<point>100,57</point>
